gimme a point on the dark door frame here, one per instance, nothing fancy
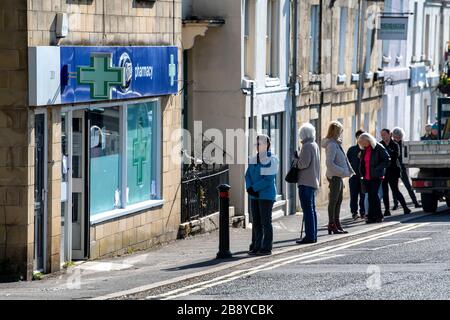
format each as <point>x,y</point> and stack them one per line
<point>40,191</point>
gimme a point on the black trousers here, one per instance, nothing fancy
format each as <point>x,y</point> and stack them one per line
<point>335,198</point>
<point>392,182</point>
<point>355,194</point>
<point>405,179</point>
<point>372,186</point>
<point>262,230</point>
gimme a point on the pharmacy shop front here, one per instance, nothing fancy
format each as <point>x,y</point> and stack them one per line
<point>104,109</point>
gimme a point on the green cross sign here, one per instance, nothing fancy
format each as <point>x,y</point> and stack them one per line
<point>101,76</point>
<point>172,70</point>
<point>140,152</point>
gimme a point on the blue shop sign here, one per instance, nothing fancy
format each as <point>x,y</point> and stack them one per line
<point>114,73</point>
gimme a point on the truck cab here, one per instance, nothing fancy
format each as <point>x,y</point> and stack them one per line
<point>432,157</point>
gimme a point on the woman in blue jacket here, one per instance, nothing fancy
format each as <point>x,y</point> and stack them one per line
<point>260,184</point>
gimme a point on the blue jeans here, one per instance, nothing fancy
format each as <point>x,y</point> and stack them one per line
<point>308,204</point>
<point>262,230</point>
<point>366,198</point>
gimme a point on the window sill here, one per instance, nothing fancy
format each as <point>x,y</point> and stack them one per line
<point>341,78</point>
<point>117,213</point>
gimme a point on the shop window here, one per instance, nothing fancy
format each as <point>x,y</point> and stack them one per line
<point>124,159</point>
<point>104,160</point>
<point>141,153</point>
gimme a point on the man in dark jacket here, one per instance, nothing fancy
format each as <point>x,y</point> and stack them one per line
<point>374,161</point>
<point>397,135</point>
<point>392,173</point>
<point>354,156</point>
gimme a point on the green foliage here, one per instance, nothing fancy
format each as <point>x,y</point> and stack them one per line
<point>68,264</point>
<point>38,276</point>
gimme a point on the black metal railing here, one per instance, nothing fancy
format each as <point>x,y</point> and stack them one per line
<point>199,196</point>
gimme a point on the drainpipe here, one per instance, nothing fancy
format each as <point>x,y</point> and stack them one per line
<point>319,130</point>
<point>252,106</point>
<point>173,22</point>
<point>441,33</point>
<point>294,90</point>
<point>362,13</point>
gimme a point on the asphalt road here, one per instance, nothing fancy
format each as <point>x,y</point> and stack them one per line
<point>408,261</point>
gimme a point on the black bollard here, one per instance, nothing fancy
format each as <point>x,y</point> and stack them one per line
<point>224,226</point>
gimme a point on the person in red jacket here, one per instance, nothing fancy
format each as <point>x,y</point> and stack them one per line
<point>374,161</point>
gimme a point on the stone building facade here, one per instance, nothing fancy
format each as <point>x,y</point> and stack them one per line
<point>249,47</point>
<point>331,61</point>
<point>35,171</point>
<point>429,33</point>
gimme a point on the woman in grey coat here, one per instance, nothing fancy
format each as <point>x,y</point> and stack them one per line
<point>338,167</point>
<point>308,163</point>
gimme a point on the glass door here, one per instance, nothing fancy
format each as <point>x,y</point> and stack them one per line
<point>272,125</point>
<point>73,214</point>
<point>77,171</point>
<point>66,187</point>
<point>39,192</point>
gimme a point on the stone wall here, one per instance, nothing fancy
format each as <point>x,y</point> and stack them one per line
<point>106,23</point>
<point>16,152</point>
<point>339,99</point>
<point>26,23</point>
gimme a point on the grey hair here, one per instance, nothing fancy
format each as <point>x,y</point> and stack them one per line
<point>307,131</point>
<point>398,132</point>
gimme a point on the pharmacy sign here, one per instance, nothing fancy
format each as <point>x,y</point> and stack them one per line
<point>393,28</point>
<point>101,76</point>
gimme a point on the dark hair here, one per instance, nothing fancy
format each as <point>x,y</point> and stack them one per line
<point>266,137</point>
<point>386,130</point>
<point>358,133</point>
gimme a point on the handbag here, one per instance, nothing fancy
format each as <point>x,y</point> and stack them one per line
<point>292,175</point>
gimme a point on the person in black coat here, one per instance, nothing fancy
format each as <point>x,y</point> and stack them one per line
<point>398,135</point>
<point>374,161</point>
<point>392,173</point>
<point>354,156</point>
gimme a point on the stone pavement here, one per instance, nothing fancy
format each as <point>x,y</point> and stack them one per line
<point>176,260</point>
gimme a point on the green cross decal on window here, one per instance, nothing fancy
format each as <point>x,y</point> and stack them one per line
<point>140,151</point>
<point>101,76</point>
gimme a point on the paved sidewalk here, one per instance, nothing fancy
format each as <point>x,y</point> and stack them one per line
<point>177,259</point>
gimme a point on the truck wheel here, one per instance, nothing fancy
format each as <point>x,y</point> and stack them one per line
<point>429,202</point>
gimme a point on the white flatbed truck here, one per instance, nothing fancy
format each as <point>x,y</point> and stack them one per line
<point>432,158</point>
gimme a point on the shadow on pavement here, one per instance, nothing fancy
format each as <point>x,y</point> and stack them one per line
<point>442,215</point>
<point>212,262</point>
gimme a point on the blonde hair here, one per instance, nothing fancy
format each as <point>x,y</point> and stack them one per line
<point>334,130</point>
<point>368,137</point>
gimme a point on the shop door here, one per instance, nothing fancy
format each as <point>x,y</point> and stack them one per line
<point>272,125</point>
<point>39,192</point>
<point>78,180</point>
